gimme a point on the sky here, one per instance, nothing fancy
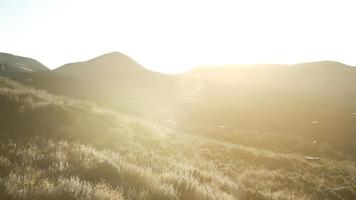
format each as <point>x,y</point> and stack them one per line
<point>173,36</point>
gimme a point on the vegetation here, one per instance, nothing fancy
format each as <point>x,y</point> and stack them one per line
<point>68,149</point>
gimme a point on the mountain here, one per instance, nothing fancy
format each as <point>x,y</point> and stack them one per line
<point>110,64</point>
<point>13,63</point>
<point>113,80</point>
<point>117,81</point>
<point>31,72</point>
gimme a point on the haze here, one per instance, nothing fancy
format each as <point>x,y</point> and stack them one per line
<point>173,36</point>
<point>152,100</point>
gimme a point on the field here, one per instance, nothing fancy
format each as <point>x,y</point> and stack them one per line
<point>70,149</point>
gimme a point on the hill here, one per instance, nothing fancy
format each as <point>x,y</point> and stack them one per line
<point>115,80</point>
<point>104,65</point>
<point>70,149</point>
<point>314,101</point>
<point>13,63</point>
<point>327,81</point>
<point>311,100</point>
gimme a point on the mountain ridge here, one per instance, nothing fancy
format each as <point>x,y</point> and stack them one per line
<point>118,57</point>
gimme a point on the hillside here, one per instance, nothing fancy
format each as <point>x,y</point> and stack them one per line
<point>314,101</point>
<point>326,81</point>
<point>69,149</point>
<point>117,81</point>
<point>311,100</point>
<point>13,63</point>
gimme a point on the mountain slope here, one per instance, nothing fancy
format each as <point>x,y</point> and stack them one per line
<point>13,63</point>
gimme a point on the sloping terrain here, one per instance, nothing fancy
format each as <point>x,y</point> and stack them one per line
<point>69,149</point>
<point>314,101</point>
<point>325,81</point>
<point>13,63</point>
<point>117,81</point>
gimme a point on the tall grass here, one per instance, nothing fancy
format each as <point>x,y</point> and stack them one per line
<point>75,150</point>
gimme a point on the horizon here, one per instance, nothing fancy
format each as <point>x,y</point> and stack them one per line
<point>188,69</point>
<point>160,38</point>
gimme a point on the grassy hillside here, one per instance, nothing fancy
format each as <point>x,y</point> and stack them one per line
<point>313,101</point>
<point>58,148</point>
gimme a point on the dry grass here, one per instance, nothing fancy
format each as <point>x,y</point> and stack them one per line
<point>90,153</point>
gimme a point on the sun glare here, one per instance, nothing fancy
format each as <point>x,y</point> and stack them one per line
<point>255,100</point>
<point>173,36</point>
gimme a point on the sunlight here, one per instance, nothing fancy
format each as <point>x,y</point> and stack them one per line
<point>174,36</point>
<point>177,99</point>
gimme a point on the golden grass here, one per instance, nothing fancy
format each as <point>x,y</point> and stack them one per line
<point>99,154</point>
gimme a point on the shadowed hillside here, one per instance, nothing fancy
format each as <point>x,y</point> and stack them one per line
<point>26,112</point>
<point>13,63</point>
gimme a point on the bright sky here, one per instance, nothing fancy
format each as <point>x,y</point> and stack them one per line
<point>173,36</point>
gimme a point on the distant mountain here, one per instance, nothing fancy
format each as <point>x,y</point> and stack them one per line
<point>328,81</point>
<point>13,63</point>
<point>118,81</point>
<point>109,64</point>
